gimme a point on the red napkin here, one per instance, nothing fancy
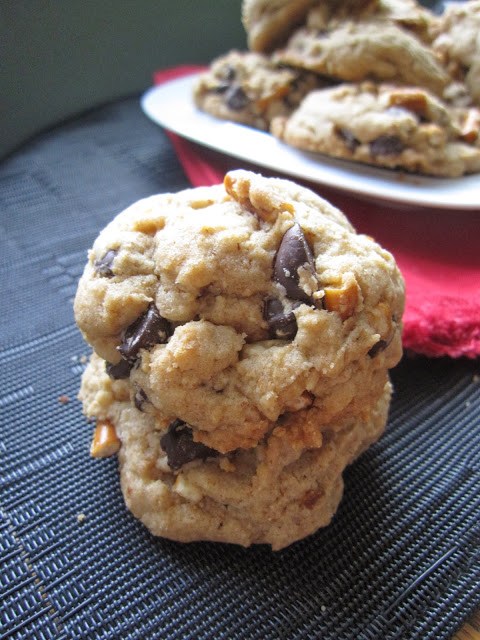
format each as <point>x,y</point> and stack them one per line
<point>438,251</point>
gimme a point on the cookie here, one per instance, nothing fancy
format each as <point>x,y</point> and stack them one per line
<point>458,43</point>
<point>242,338</point>
<point>278,492</point>
<point>356,50</point>
<point>268,23</point>
<point>388,126</point>
<point>408,14</point>
<point>248,88</point>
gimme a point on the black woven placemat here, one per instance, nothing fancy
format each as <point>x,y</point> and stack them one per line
<point>401,558</point>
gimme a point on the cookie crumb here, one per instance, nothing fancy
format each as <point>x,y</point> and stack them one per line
<point>323,608</point>
<point>81,517</point>
<point>63,399</point>
<point>476,378</point>
<point>84,359</point>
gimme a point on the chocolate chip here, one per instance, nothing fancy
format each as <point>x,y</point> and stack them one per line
<point>145,332</point>
<point>349,139</point>
<point>220,88</point>
<point>379,346</point>
<point>118,371</point>
<point>227,76</point>
<point>140,399</point>
<point>180,447</point>
<point>386,146</point>
<point>293,254</point>
<point>103,266</point>
<point>236,99</point>
<point>282,324</point>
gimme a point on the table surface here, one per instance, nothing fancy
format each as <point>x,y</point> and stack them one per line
<point>401,557</point>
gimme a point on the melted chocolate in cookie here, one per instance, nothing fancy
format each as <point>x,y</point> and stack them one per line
<point>227,76</point>
<point>104,265</point>
<point>119,371</point>
<point>145,332</point>
<point>377,348</point>
<point>140,399</point>
<point>293,254</point>
<point>386,146</point>
<point>236,99</point>
<point>180,447</point>
<point>349,139</point>
<point>282,324</point>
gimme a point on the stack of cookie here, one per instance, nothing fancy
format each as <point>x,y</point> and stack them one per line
<point>382,82</point>
<point>242,337</point>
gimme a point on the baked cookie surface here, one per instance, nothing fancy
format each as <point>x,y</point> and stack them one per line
<point>365,49</point>
<point>280,491</point>
<point>388,126</point>
<point>248,88</point>
<point>458,43</point>
<point>408,14</point>
<point>269,22</point>
<point>243,335</point>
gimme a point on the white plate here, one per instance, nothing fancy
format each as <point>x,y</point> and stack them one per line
<point>171,106</point>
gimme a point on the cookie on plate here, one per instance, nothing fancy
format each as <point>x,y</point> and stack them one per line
<point>387,126</point>
<point>458,43</point>
<point>356,50</point>
<point>248,88</point>
<point>408,14</point>
<point>242,338</point>
<point>268,23</point>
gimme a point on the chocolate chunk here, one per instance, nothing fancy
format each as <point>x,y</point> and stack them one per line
<point>103,266</point>
<point>386,146</point>
<point>227,75</point>
<point>220,88</point>
<point>293,254</point>
<point>282,324</point>
<point>180,447</point>
<point>118,371</point>
<point>236,99</point>
<point>349,139</point>
<point>140,399</point>
<point>145,332</point>
<point>379,346</point>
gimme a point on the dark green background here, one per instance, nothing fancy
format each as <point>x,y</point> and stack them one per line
<point>60,57</point>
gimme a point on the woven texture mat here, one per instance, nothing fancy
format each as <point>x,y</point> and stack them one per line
<point>401,558</point>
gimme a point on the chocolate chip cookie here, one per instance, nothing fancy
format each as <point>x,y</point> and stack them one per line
<point>250,89</point>
<point>458,42</point>
<point>269,22</point>
<point>370,48</point>
<point>242,338</point>
<point>388,126</point>
<point>408,14</point>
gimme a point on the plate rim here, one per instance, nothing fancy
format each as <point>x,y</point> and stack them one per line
<point>364,180</point>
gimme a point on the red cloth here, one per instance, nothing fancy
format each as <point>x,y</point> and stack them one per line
<point>438,251</point>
